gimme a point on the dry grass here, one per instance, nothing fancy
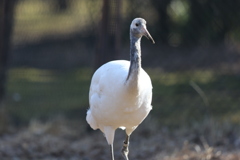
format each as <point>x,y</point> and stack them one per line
<point>63,139</point>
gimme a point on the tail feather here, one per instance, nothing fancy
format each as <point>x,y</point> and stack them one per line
<point>91,120</point>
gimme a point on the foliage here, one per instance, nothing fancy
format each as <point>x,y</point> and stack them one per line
<point>175,22</point>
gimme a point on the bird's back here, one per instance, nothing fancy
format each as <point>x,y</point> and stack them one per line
<point>111,103</point>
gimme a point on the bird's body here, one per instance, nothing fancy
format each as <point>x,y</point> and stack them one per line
<point>121,91</point>
<point>116,102</point>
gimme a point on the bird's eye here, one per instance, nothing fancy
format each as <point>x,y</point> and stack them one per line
<point>137,24</point>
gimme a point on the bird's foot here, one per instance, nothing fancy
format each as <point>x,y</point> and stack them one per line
<point>125,150</point>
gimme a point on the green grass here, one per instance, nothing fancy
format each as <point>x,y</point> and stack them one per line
<point>176,102</point>
<point>34,93</point>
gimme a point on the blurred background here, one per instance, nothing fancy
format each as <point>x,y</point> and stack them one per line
<point>49,50</point>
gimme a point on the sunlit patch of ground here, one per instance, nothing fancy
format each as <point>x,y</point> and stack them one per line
<point>63,139</point>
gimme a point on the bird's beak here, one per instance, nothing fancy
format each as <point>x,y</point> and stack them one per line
<point>147,34</point>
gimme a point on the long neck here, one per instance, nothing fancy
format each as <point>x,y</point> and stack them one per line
<point>135,59</point>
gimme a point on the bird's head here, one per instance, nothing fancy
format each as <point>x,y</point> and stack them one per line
<point>138,29</point>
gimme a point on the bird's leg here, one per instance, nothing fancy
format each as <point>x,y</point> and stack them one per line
<point>125,148</point>
<point>112,154</point>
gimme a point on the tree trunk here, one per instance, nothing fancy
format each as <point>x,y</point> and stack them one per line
<point>61,5</point>
<point>103,36</point>
<point>6,24</point>
<point>109,37</point>
<point>163,22</point>
<point>118,27</point>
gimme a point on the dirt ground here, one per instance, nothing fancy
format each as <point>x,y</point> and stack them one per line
<point>62,139</point>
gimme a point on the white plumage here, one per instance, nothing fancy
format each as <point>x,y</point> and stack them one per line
<point>121,92</point>
<point>114,103</point>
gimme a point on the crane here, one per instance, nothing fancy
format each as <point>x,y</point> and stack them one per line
<point>120,93</point>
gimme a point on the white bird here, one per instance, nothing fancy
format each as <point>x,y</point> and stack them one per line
<point>120,93</point>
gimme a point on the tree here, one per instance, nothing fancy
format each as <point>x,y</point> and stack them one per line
<point>109,39</point>
<point>61,5</point>
<point>6,24</point>
<point>163,21</point>
<point>211,21</point>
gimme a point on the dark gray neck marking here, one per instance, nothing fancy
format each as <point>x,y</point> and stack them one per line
<point>135,56</point>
